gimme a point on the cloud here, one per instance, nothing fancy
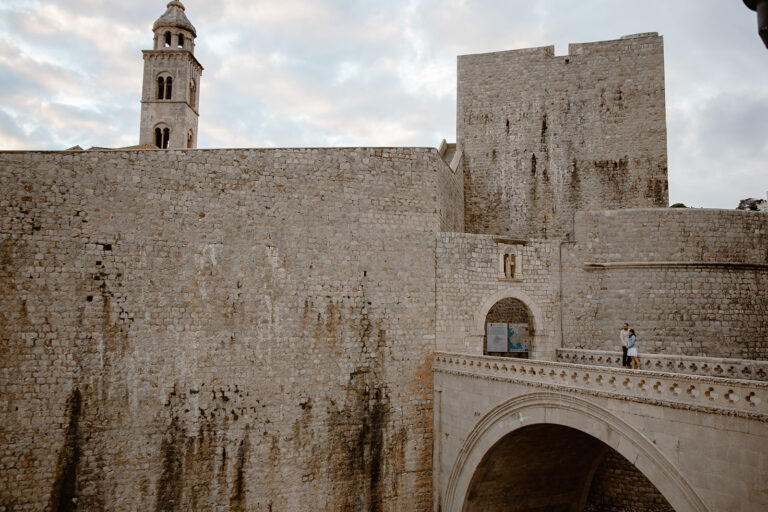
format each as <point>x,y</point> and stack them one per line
<point>355,72</point>
<point>719,150</point>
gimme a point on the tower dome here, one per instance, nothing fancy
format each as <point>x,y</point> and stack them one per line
<point>174,17</point>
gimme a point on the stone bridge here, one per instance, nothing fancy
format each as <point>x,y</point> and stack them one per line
<point>520,435</point>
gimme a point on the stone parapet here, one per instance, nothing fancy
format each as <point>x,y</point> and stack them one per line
<point>692,392</point>
<point>709,366</point>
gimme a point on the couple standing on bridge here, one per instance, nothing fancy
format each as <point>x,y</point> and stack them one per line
<point>629,348</point>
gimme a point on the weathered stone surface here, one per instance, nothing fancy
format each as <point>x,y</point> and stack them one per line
<point>544,136</point>
<point>689,281</point>
<point>234,328</point>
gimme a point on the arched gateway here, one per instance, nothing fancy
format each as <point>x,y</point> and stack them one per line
<point>520,426</point>
<point>516,308</point>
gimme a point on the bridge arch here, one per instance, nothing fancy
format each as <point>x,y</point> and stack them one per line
<point>559,409</point>
<point>539,347</point>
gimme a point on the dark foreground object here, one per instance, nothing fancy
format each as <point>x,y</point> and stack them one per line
<point>761,6</point>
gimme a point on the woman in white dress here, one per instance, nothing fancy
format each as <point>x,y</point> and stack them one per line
<point>632,352</point>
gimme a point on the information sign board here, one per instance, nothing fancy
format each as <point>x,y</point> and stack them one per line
<point>518,337</point>
<point>497,337</point>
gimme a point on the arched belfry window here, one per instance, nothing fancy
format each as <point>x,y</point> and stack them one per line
<point>181,41</point>
<point>164,87</point>
<point>160,87</point>
<point>162,137</point>
<point>167,39</point>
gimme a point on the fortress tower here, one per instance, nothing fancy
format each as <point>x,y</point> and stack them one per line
<point>544,136</point>
<point>171,86</point>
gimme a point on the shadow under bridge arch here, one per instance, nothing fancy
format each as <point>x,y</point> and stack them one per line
<point>551,452</point>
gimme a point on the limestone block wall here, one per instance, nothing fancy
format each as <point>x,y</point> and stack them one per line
<point>618,486</point>
<point>469,283</point>
<point>691,282</point>
<point>451,198</point>
<point>545,135</point>
<point>229,329</point>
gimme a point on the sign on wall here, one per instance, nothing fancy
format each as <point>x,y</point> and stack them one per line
<point>507,338</point>
<point>519,337</point>
<point>497,336</point>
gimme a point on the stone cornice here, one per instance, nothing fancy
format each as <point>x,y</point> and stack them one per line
<point>675,264</point>
<point>173,53</point>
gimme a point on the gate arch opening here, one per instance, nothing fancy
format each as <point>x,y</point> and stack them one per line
<point>584,416</point>
<point>509,330</point>
<point>554,468</point>
<point>539,330</point>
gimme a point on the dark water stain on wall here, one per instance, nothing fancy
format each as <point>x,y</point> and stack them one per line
<point>357,438</point>
<point>361,430</point>
<point>657,189</point>
<point>198,469</point>
<point>200,459</point>
<point>171,479</point>
<point>64,491</point>
<point>615,173</point>
<point>574,190</point>
<point>237,502</point>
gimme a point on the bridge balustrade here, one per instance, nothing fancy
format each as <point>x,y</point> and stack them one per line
<point>669,363</point>
<point>710,394</point>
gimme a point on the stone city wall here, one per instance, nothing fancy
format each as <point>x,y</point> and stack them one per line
<point>690,282</point>
<point>229,329</point>
<point>618,486</point>
<point>451,197</point>
<point>546,135</point>
<point>470,281</point>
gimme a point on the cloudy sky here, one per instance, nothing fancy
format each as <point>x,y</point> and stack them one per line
<point>375,73</point>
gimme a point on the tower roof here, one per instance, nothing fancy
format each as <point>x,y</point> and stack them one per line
<point>174,17</point>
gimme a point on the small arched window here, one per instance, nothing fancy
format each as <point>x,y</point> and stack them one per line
<point>168,86</point>
<point>160,87</point>
<point>162,137</point>
<point>181,41</point>
<point>191,140</point>
<point>167,39</point>
<point>192,93</point>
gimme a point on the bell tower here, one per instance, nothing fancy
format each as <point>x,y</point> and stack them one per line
<point>171,87</point>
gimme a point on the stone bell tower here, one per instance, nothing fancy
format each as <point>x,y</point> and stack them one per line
<point>171,87</point>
